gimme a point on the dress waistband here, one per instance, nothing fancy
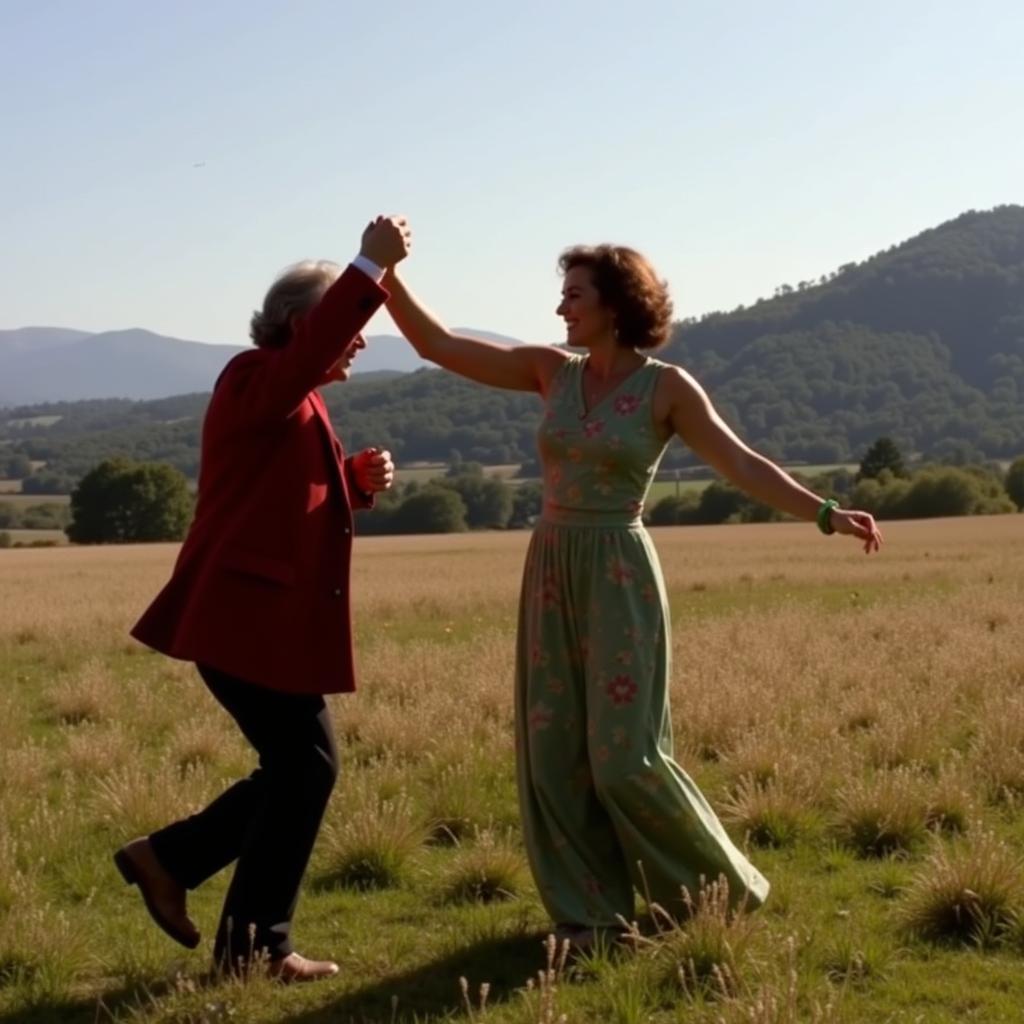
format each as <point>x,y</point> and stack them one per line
<point>558,515</point>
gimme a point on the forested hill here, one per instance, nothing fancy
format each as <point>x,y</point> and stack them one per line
<point>923,342</point>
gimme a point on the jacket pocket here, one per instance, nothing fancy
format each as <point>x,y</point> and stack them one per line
<point>258,564</point>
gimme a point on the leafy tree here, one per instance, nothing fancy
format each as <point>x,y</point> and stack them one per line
<point>17,467</point>
<point>488,501</point>
<point>952,491</point>
<point>122,501</point>
<point>527,504</point>
<point>883,454</point>
<point>718,502</point>
<point>432,509</point>
<point>1015,482</point>
<point>672,510</point>
<point>721,502</point>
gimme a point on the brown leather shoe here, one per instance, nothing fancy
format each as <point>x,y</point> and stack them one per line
<point>163,896</point>
<point>294,967</point>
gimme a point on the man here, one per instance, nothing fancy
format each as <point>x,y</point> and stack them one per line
<point>259,600</point>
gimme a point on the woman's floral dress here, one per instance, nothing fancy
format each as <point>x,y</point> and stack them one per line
<point>605,808</point>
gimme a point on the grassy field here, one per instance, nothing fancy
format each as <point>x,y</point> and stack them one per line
<point>19,499</point>
<point>422,472</point>
<point>858,722</point>
<point>36,536</point>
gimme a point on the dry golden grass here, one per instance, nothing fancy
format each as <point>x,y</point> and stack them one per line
<point>814,690</point>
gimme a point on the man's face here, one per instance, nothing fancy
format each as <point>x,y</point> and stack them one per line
<point>342,369</point>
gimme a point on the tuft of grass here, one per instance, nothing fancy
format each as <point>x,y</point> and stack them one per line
<point>891,880</point>
<point>766,813</point>
<point>87,697</point>
<point>707,953</point>
<point>998,751</point>
<point>456,805</point>
<point>778,1001</point>
<point>42,953</point>
<point>884,815</point>
<point>967,892</point>
<point>850,959</point>
<point>372,847</point>
<point>198,743</point>
<point>134,800</point>
<point>487,872</point>
<point>951,805</point>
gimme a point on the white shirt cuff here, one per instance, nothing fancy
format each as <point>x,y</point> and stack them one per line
<point>369,268</point>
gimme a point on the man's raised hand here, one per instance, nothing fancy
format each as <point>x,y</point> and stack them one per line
<point>386,241</point>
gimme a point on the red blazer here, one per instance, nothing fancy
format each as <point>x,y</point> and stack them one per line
<point>260,589</point>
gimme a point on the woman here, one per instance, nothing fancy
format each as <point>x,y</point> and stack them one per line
<point>599,791</point>
<point>259,600</point>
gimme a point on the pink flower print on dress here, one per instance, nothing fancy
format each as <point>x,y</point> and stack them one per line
<point>620,737</point>
<point>574,493</point>
<point>593,428</point>
<point>624,657</point>
<point>574,455</point>
<point>538,657</point>
<point>550,592</point>
<point>555,686</point>
<point>540,717</point>
<point>648,593</point>
<point>555,474</point>
<point>620,572</point>
<point>635,507</point>
<point>622,690</point>
<point>650,781</point>
<point>592,886</point>
<point>603,754</point>
<point>626,405</point>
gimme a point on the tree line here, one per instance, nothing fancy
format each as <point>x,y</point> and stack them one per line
<point>120,501</point>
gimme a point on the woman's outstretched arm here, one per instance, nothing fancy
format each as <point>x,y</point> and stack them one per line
<point>698,424</point>
<point>516,367</point>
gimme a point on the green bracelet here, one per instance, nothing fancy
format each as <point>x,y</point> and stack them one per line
<point>825,516</point>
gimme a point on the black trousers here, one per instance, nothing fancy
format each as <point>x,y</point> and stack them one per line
<point>267,822</point>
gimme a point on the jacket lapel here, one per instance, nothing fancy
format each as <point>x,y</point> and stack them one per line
<point>337,453</point>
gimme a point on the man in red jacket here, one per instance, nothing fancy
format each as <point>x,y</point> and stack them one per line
<point>259,600</point>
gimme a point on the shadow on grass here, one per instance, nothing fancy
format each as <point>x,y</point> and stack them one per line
<point>432,989</point>
<point>83,1011</point>
<point>429,991</point>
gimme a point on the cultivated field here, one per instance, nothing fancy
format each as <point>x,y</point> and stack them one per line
<point>859,723</point>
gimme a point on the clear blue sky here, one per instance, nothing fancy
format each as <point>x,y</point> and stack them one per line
<point>740,145</point>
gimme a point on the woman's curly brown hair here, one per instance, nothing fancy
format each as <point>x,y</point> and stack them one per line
<point>629,286</point>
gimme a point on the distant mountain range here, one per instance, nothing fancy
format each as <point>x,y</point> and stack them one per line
<point>57,364</point>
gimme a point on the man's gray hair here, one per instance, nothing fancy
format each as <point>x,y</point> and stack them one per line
<point>297,290</point>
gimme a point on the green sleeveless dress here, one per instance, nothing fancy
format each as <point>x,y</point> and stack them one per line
<point>605,808</point>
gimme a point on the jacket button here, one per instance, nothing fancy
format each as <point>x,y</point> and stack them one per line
<point>346,530</point>
<point>337,591</point>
